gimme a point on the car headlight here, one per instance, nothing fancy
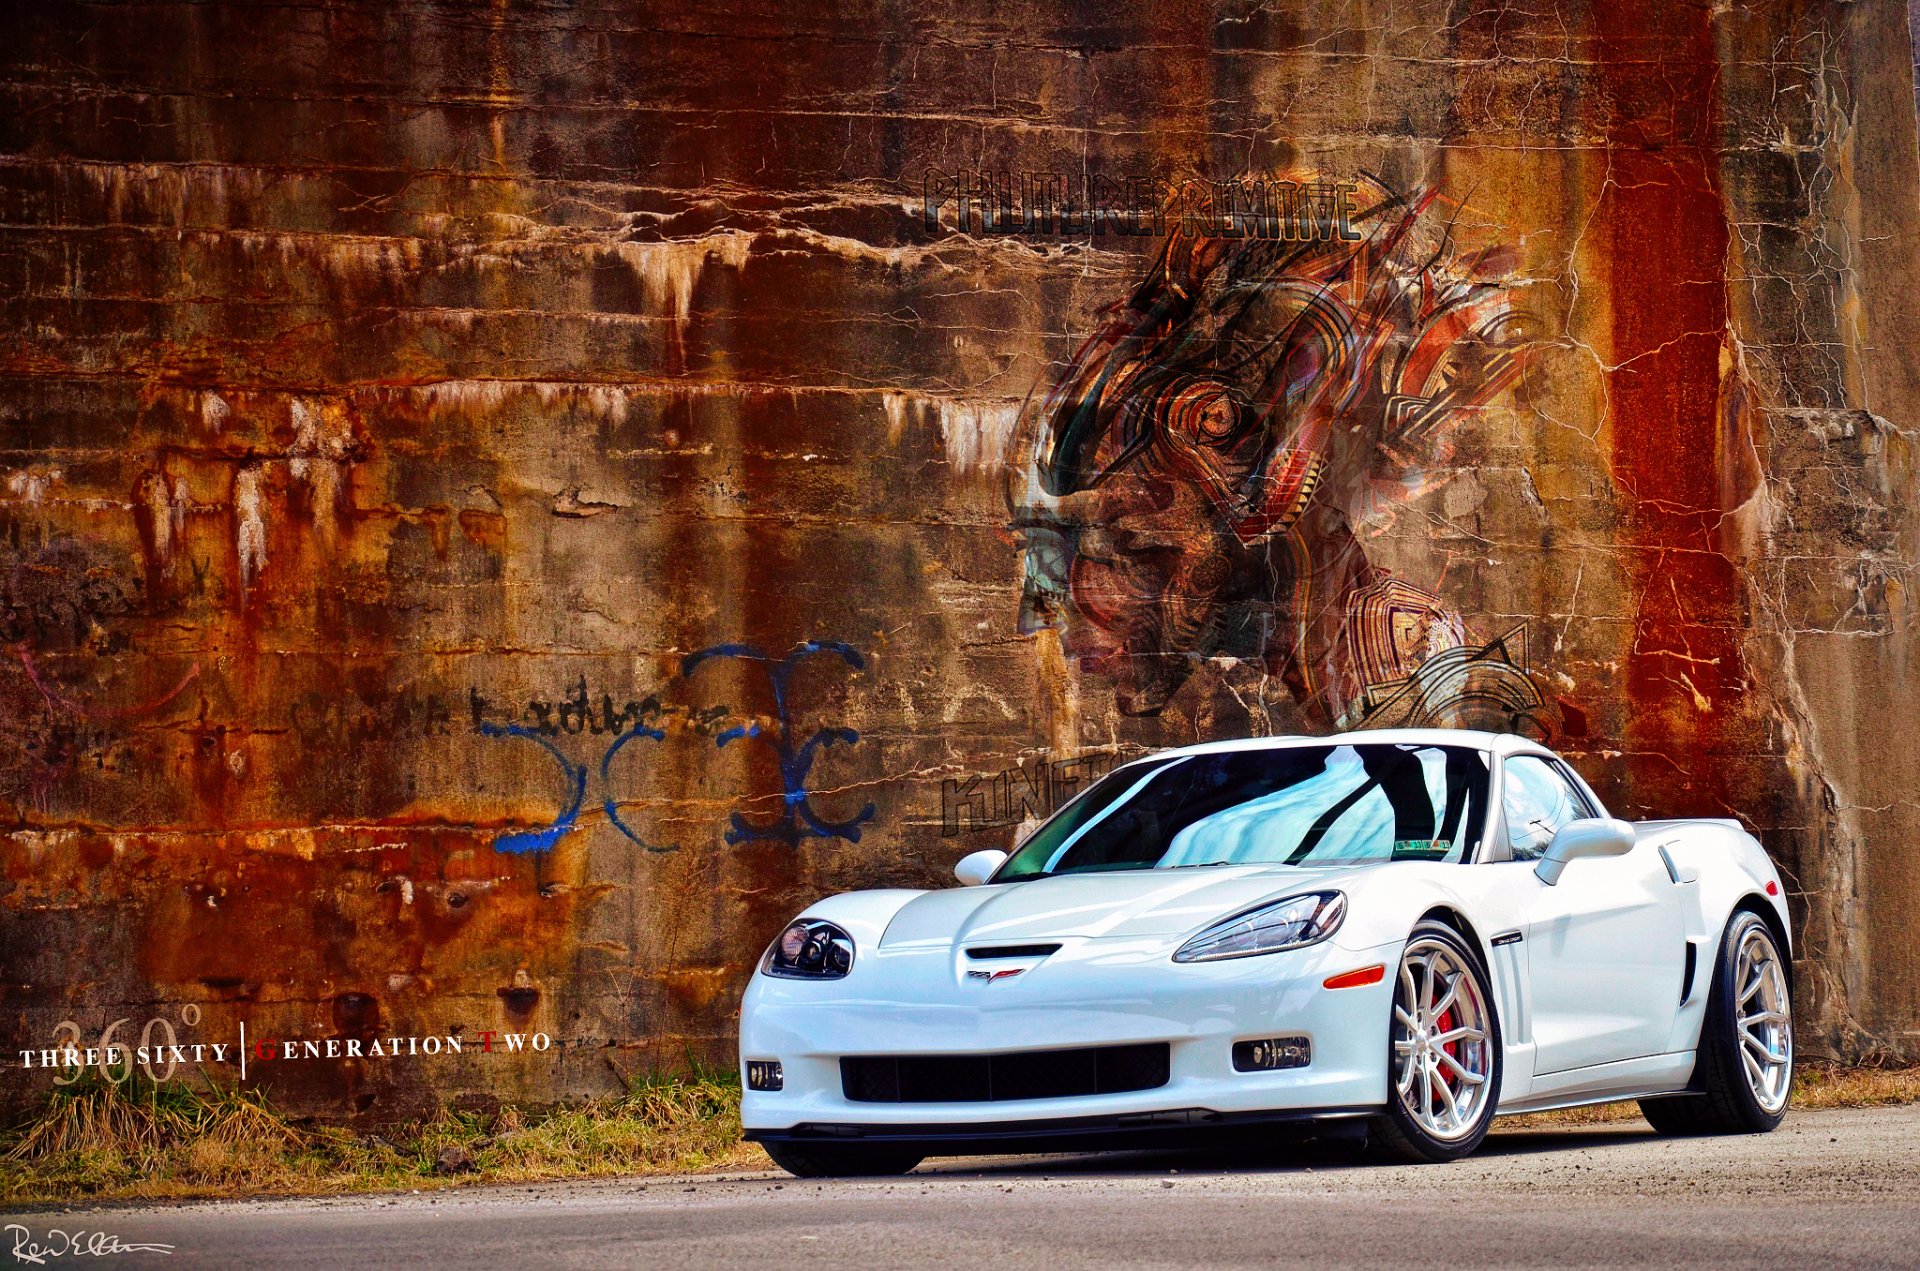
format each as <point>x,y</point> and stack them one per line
<point>810,950</point>
<point>1292,923</point>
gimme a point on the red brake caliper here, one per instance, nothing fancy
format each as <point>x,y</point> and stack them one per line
<point>1445,1025</point>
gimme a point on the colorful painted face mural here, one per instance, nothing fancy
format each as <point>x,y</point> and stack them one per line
<point>1190,487</point>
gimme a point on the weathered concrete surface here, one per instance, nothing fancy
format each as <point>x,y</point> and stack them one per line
<point>381,378</point>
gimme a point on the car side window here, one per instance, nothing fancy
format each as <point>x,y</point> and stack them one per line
<point>1537,801</point>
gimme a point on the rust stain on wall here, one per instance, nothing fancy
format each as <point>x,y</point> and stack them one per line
<point>1674,401</point>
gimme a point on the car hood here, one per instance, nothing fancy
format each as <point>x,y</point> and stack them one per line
<point>1132,903</point>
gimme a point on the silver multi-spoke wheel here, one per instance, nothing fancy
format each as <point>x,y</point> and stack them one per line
<point>1442,1044</point>
<point>1765,1018</point>
<point>1743,1067</point>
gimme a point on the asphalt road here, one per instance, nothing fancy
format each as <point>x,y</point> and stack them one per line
<point>1829,1189</point>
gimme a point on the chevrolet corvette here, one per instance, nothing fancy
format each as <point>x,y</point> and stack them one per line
<point>1393,935</point>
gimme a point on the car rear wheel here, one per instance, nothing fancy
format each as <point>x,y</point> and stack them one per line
<point>1743,1071</point>
<point>1443,1051</point>
<point>841,1160</point>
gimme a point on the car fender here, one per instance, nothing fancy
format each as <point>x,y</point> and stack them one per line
<point>1383,907</point>
<point>1726,866</point>
<point>864,915</point>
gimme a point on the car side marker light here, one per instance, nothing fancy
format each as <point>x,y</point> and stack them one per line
<point>1355,979</point>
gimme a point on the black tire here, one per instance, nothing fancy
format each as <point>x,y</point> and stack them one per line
<point>842,1160</point>
<point>1724,1100</point>
<point>1396,1134</point>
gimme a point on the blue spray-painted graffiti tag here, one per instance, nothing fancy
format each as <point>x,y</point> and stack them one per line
<point>612,804</point>
<point>797,819</point>
<point>576,775</point>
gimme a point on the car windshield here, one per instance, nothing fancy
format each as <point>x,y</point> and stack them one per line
<point>1281,805</point>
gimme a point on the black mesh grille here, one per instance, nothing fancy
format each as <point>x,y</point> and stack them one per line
<point>1033,1074</point>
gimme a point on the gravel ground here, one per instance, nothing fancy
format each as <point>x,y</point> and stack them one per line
<point>1829,1189</point>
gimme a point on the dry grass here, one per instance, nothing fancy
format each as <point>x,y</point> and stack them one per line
<point>1814,1086</point>
<point>104,1142</point>
<point>101,1142</point>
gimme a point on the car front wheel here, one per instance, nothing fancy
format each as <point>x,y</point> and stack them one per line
<point>841,1160</point>
<point>1743,1071</point>
<point>1443,1053</point>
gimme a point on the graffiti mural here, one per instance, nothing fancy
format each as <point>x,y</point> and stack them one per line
<point>797,819</point>
<point>636,721</point>
<point>1018,794</point>
<point>1190,485</point>
<point>575,777</point>
<point>61,606</point>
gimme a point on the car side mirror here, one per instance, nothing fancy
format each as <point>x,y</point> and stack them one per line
<point>978,867</point>
<point>1578,840</point>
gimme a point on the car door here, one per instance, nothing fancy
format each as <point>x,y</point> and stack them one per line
<point>1606,946</point>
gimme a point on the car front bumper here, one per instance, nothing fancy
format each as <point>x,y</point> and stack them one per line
<point>918,1001</point>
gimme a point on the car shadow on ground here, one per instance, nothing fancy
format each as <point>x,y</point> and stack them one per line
<point>1312,1154</point>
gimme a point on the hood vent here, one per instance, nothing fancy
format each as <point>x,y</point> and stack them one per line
<point>1012,950</point>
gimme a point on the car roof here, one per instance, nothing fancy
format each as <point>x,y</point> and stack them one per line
<point>1493,743</point>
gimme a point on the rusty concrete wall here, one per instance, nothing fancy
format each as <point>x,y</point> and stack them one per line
<point>457,455</point>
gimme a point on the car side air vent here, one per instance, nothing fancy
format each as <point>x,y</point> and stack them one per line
<point>1012,950</point>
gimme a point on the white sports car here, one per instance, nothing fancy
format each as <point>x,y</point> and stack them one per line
<point>1395,934</point>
